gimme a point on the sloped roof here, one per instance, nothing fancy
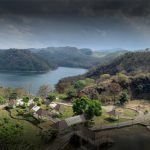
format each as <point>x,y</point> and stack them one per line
<point>60,125</point>
<point>41,112</point>
<point>36,108</point>
<point>57,107</point>
<point>47,103</point>
<point>31,106</point>
<point>75,120</point>
<point>69,122</point>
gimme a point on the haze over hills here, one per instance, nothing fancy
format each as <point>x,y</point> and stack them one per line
<point>52,57</point>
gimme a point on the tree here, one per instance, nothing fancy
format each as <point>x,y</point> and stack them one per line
<point>39,102</point>
<point>94,109</point>
<point>7,91</point>
<point>104,76</point>
<point>2,100</point>
<point>124,97</point>
<point>114,89</point>
<point>80,105</point>
<point>122,79</point>
<point>36,99</point>
<point>20,92</point>
<point>51,97</point>
<point>10,134</point>
<point>44,90</point>
<point>72,93</point>
<point>26,99</point>
<point>88,107</point>
<point>79,85</point>
<point>13,95</point>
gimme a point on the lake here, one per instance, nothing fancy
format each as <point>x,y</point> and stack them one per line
<point>35,80</point>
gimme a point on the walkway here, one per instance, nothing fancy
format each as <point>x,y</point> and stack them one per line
<point>65,104</point>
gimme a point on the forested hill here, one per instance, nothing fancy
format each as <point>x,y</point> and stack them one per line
<point>52,57</point>
<point>74,57</point>
<point>69,57</point>
<point>21,60</point>
<point>129,62</point>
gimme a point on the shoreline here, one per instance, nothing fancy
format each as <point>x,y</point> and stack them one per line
<point>41,71</point>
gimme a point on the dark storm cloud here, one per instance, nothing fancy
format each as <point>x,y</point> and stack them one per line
<point>75,7</point>
<point>83,23</point>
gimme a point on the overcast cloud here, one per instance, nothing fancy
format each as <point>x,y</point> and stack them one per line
<point>96,24</point>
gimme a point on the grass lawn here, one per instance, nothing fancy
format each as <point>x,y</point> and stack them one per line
<point>31,132</point>
<point>27,117</point>
<point>61,97</point>
<point>68,112</point>
<point>45,125</point>
<point>14,113</point>
<point>43,106</point>
<point>105,120</point>
<point>129,113</point>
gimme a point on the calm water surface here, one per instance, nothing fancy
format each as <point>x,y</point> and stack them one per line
<point>35,80</point>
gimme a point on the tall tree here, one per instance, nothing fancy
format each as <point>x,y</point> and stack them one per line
<point>124,97</point>
<point>44,90</point>
<point>2,100</point>
<point>114,89</point>
<point>51,97</point>
<point>26,99</point>
<point>89,108</point>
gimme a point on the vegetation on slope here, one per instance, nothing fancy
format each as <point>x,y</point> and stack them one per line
<point>21,60</point>
<point>129,62</point>
<point>129,72</point>
<point>50,58</point>
<point>74,57</point>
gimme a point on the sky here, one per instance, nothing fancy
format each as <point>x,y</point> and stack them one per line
<point>95,24</point>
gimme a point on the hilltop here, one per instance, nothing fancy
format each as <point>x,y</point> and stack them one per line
<point>52,57</point>
<point>129,62</point>
<point>22,60</point>
<point>74,57</point>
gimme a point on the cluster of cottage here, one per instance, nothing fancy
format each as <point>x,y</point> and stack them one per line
<point>55,108</point>
<point>38,112</point>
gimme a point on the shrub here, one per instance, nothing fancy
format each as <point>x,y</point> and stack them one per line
<point>104,76</point>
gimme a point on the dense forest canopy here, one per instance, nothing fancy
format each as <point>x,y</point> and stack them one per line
<point>21,60</point>
<point>130,62</point>
<point>51,58</point>
<point>130,65</point>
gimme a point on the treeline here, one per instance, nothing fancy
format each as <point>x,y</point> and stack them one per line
<point>51,58</point>
<point>22,60</point>
<point>131,62</point>
<point>10,93</point>
<point>74,57</point>
<point>70,57</point>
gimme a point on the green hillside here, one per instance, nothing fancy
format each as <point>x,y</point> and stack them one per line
<point>21,60</point>
<point>129,62</point>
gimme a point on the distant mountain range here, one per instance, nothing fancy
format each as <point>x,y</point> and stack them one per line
<point>44,59</point>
